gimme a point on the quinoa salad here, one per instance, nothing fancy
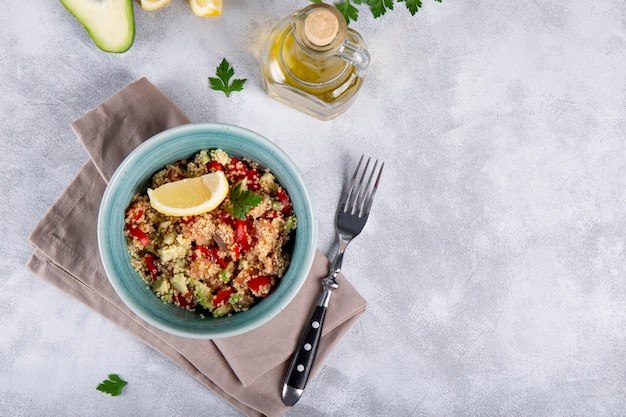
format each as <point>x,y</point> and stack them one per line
<point>222,261</point>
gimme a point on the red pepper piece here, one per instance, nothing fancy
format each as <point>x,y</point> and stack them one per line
<point>260,286</point>
<point>242,237</point>
<point>237,170</point>
<point>213,166</point>
<point>184,301</point>
<point>225,218</point>
<point>141,236</point>
<point>152,269</point>
<point>254,180</point>
<point>284,199</point>
<point>213,255</point>
<point>236,252</point>
<point>222,296</point>
<point>134,213</point>
<point>204,250</point>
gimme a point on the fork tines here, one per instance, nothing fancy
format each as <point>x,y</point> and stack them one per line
<point>363,185</point>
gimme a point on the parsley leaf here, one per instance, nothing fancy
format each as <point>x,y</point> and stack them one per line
<point>414,5</point>
<point>349,12</point>
<point>349,8</point>
<point>242,201</point>
<point>113,386</point>
<point>224,73</point>
<point>379,7</point>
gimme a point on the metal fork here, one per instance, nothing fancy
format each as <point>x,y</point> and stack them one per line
<point>352,213</point>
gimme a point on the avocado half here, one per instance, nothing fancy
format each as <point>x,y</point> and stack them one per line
<point>110,23</point>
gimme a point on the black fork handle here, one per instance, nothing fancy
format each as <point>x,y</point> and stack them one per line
<point>304,357</point>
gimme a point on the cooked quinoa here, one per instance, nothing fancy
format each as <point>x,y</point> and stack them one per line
<point>215,262</point>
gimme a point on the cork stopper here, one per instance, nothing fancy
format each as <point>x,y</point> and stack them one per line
<point>321,27</point>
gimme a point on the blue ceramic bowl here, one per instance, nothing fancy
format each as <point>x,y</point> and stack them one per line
<point>132,176</point>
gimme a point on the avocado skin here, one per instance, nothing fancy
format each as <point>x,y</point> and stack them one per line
<point>119,36</point>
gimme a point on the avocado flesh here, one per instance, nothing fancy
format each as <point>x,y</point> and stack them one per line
<point>110,23</point>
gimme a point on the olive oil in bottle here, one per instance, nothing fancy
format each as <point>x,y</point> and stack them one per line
<point>313,62</point>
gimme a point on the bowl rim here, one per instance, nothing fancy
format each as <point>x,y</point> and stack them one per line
<point>304,247</point>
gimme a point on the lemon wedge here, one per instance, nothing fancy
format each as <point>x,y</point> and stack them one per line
<point>190,196</point>
<point>150,5</point>
<point>207,7</point>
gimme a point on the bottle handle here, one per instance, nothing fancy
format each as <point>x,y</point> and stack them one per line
<point>354,53</point>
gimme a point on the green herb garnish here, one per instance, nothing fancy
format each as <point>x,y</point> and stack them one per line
<point>113,386</point>
<point>242,201</point>
<point>350,10</point>
<point>224,73</point>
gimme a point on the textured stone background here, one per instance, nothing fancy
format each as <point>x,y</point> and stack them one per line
<point>493,263</point>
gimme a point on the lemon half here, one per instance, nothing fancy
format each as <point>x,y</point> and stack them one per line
<point>207,7</point>
<point>190,196</point>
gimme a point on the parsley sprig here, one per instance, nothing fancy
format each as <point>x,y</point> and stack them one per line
<point>242,201</point>
<point>222,82</point>
<point>350,8</point>
<point>113,386</point>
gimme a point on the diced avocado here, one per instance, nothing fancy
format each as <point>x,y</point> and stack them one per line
<point>221,311</point>
<point>234,299</point>
<point>161,285</point>
<point>180,266</point>
<point>243,264</point>
<point>183,241</point>
<point>267,181</point>
<point>290,223</point>
<point>169,253</point>
<point>203,294</point>
<point>179,282</point>
<point>164,225</point>
<point>227,273</point>
<point>169,238</point>
<point>204,157</point>
<point>110,23</point>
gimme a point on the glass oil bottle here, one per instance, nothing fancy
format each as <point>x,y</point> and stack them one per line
<point>313,62</point>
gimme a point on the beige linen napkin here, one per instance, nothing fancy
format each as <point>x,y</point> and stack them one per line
<point>246,370</point>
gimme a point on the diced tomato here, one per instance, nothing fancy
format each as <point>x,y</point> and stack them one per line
<point>185,301</point>
<point>152,269</point>
<point>204,250</point>
<point>213,166</point>
<point>215,257</point>
<point>199,251</point>
<point>242,237</point>
<point>254,180</point>
<point>225,218</point>
<point>213,254</point>
<point>237,169</point>
<point>236,252</point>
<point>134,213</point>
<point>222,296</point>
<point>284,199</point>
<point>260,286</point>
<point>141,236</point>
<point>272,214</point>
